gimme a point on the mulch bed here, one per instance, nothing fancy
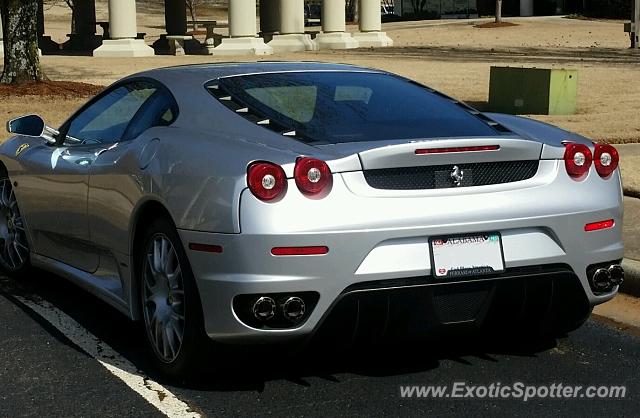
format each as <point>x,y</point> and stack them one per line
<point>197,32</point>
<point>64,89</point>
<point>495,25</point>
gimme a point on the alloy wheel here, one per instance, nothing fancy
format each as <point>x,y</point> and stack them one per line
<point>163,298</point>
<point>14,250</point>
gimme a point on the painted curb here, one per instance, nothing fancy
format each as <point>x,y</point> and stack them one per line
<point>631,284</point>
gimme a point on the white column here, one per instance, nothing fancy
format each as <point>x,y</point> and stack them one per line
<point>292,37</point>
<point>334,35</point>
<point>242,31</point>
<point>371,34</point>
<point>123,29</point>
<point>526,7</point>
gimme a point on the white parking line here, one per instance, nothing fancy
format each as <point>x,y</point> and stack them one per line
<point>153,392</point>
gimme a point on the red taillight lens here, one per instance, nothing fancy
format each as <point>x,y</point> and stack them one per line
<point>315,250</point>
<point>577,160</point>
<point>606,159</point>
<point>596,226</point>
<point>313,176</point>
<point>266,181</point>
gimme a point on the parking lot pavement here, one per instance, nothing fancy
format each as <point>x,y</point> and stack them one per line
<point>43,374</point>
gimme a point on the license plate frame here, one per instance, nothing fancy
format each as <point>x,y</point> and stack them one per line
<point>469,241</point>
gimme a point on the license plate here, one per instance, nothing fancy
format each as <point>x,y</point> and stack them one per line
<point>467,255</point>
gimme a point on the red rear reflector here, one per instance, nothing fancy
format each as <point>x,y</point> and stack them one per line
<point>319,250</point>
<point>422,151</point>
<point>207,248</point>
<point>594,226</point>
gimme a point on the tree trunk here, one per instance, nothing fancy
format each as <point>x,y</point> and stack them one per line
<point>194,15</point>
<point>21,60</point>
<point>74,16</point>
<point>498,11</point>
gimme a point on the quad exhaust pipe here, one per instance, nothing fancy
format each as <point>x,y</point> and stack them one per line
<point>604,279</point>
<point>293,309</point>
<point>265,308</point>
<point>617,274</point>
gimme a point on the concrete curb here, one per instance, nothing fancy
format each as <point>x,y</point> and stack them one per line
<point>631,284</point>
<point>630,192</point>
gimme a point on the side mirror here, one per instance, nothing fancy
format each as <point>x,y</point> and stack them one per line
<point>32,125</point>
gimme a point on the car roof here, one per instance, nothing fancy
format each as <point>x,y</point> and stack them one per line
<point>201,73</point>
<point>199,110</point>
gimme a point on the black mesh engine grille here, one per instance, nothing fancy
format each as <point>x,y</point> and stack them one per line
<point>440,176</point>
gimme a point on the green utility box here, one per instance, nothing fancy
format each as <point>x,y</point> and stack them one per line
<point>536,91</point>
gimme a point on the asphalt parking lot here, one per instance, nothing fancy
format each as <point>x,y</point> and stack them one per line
<point>44,373</point>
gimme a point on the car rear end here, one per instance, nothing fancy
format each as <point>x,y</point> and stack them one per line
<point>399,235</point>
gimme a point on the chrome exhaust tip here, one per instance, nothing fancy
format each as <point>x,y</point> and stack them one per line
<point>616,272</point>
<point>601,279</point>
<point>264,308</point>
<point>293,309</point>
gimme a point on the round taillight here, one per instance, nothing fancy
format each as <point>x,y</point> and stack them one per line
<point>605,158</point>
<point>577,160</point>
<point>313,176</point>
<point>266,181</point>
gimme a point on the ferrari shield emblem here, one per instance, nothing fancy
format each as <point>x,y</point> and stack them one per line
<point>21,148</point>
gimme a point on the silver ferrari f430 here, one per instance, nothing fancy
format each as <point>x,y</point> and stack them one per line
<point>264,202</point>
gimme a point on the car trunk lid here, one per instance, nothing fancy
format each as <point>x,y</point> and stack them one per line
<point>440,163</point>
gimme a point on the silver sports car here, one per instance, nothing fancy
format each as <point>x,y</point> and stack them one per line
<point>264,202</point>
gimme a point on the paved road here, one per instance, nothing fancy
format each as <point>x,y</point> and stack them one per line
<point>43,374</point>
<point>512,55</point>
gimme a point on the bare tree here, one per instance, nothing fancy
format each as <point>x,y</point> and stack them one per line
<point>193,6</point>
<point>74,17</point>
<point>69,3</point>
<point>21,59</point>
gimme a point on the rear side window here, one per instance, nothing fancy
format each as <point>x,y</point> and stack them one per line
<point>106,120</point>
<point>337,107</point>
<point>160,110</point>
<point>294,102</point>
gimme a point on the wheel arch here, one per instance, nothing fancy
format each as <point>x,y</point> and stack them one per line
<point>144,214</point>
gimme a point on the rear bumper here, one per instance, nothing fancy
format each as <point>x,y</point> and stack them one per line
<point>364,262</point>
<point>549,298</point>
<point>377,239</point>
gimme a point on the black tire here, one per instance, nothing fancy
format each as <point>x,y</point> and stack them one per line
<point>14,247</point>
<point>194,342</point>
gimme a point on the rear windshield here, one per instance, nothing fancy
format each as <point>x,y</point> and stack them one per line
<point>338,107</point>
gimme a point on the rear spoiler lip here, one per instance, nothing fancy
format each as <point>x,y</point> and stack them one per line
<point>465,150</point>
